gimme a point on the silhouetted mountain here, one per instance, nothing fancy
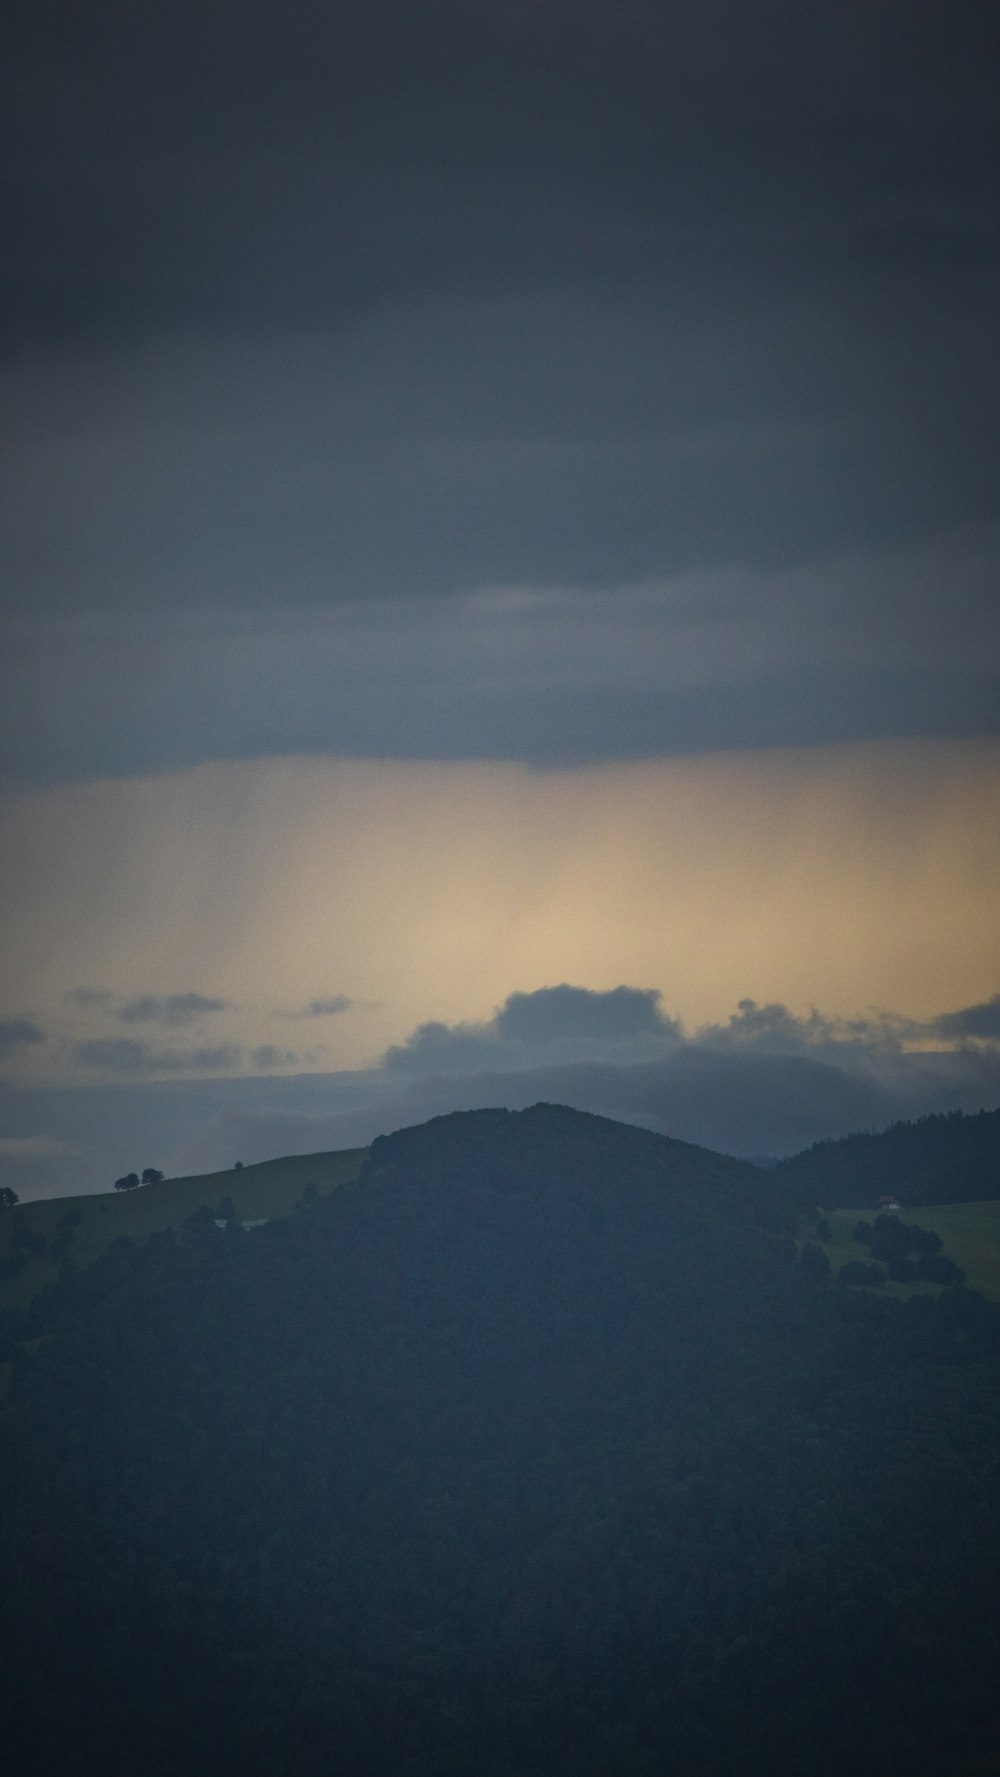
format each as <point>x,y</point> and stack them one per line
<point>533,1452</point>
<point>941,1159</point>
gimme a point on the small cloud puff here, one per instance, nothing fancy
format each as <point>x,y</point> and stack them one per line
<point>268,1056</point>
<point>16,1033</point>
<point>177,1010</point>
<point>328,1007</point>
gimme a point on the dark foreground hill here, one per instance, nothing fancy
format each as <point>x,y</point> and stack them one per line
<point>534,1453</point>
<point>953,1158</point>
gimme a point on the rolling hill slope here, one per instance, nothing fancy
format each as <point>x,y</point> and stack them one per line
<point>81,1228</point>
<point>939,1162</point>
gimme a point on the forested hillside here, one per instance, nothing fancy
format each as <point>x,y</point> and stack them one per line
<point>535,1452</point>
<point>942,1159</point>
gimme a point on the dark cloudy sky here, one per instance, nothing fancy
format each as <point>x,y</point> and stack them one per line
<point>495,496</point>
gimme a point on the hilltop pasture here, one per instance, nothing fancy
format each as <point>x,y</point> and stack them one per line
<point>266,1190</point>
<point>970,1232</point>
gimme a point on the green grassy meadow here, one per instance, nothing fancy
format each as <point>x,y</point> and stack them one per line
<point>271,1188</point>
<point>970,1231</point>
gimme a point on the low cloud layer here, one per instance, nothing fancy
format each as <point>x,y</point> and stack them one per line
<point>131,1056</point>
<point>626,1025</point>
<point>128,1057</point>
<point>561,1022</point>
<point>765,1082</point>
<point>747,1100</point>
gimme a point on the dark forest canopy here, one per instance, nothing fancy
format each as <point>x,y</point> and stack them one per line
<point>951,1158</point>
<point>536,1452</point>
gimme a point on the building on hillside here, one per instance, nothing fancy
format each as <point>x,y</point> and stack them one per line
<point>888,1204</point>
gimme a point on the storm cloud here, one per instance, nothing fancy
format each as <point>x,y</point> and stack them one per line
<point>497,497</point>
<point>510,381</point>
<point>248,168</point>
<point>854,648</point>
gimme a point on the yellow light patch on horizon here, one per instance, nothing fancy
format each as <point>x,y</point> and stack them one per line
<point>848,877</point>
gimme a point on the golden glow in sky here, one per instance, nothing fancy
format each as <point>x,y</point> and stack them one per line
<point>846,877</point>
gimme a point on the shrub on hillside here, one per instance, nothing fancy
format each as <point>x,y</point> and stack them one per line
<point>856,1272</point>
<point>938,1268</point>
<point>815,1264</point>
